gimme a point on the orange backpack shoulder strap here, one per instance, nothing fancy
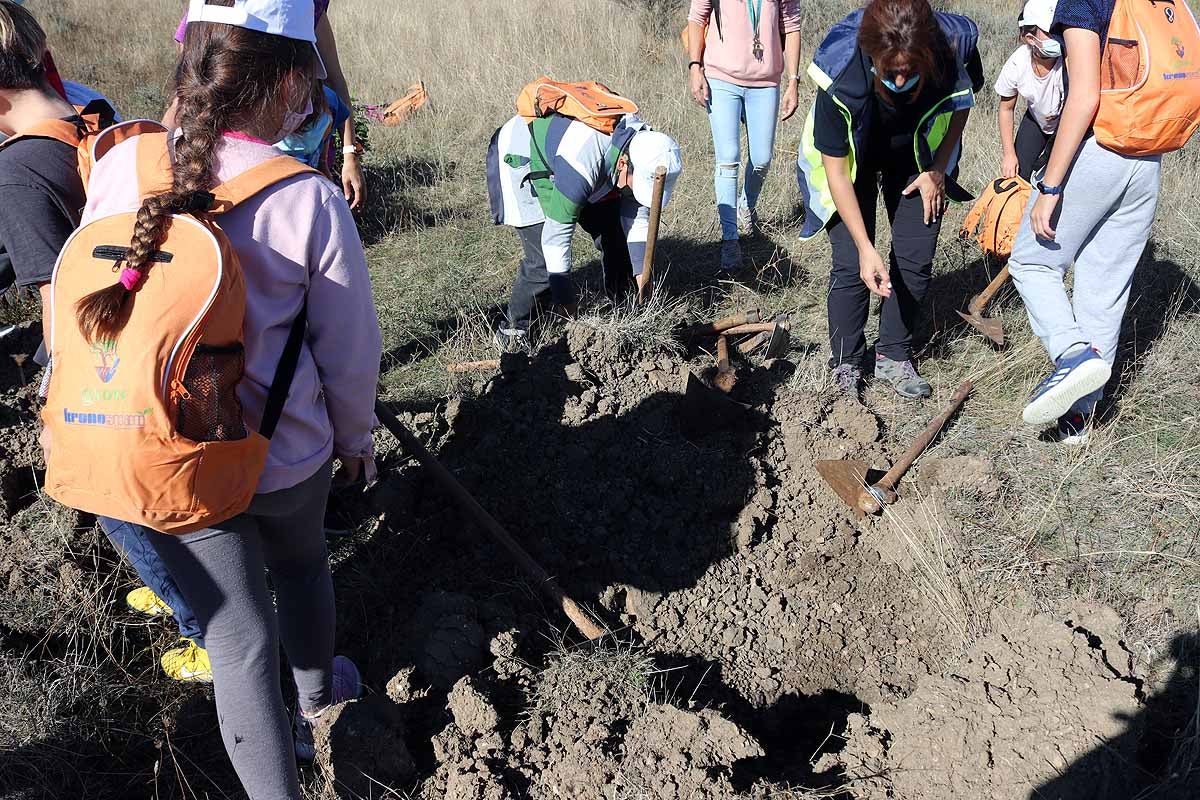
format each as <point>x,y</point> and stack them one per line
<point>110,137</point>
<point>153,164</point>
<point>59,130</point>
<point>249,183</point>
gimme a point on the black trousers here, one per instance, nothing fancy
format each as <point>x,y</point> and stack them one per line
<point>602,221</point>
<point>911,259</point>
<point>1032,145</point>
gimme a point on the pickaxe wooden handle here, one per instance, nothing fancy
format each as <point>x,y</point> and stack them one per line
<point>726,323</point>
<point>884,490</point>
<point>980,301</point>
<point>574,612</point>
<point>645,281</point>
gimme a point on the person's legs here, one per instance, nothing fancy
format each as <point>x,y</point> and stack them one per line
<point>134,541</point>
<point>849,299</point>
<point>913,246</point>
<point>291,523</point>
<point>1102,282</point>
<point>725,106</point>
<point>532,278</point>
<point>1030,144</point>
<point>221,571</point>
<point>602,221</point>
<point>1037,266</point>
<point>761,112</point>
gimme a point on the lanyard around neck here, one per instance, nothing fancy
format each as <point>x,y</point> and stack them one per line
<point>755,9</point>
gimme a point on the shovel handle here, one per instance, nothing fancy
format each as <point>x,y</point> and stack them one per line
<point>981,300</point>
<point>473,366</point>
<point>751,327</point>
<point>753,343</point>
<point>645,283</point>
<point>463,498</point>
<point>722,354</point>
<point>726,323</point>
<point>888,482</point>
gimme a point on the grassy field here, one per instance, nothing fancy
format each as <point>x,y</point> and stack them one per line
<point>1117,522</point>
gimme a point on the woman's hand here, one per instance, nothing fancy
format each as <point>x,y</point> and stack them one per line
<point>1009,166</point>
<point>874,272</point>
<point>791,99</point>
<point>353,184</point>
<point>1040,216</point>
<point>699,86</point>
<point>932,185</point>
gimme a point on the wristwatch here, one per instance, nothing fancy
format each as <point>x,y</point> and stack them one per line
<point>1044,189</point>
<point>355,149</point>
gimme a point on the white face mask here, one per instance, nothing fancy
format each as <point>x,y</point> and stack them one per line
<point>1048,48</point>
<point>292,120</point>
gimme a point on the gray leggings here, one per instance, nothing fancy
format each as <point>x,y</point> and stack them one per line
<point>220,571</point>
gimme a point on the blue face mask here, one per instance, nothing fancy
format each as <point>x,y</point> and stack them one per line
<point>909,84</point>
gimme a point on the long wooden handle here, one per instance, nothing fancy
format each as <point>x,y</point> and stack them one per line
<point>726,323</point>
<point>753,343</point>
<point>751,327</point>
<point>985,297</point>
<point>574,612</point>
<point>473,366</point>
<point>722,354</point>
<point>888,481</point>
<point>645,280</point>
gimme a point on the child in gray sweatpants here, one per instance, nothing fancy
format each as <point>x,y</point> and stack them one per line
<point>1104,219</point>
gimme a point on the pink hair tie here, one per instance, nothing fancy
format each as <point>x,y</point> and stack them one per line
<point>129,278</point>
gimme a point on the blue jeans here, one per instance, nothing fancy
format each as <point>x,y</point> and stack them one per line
<point>729,105</point>
<point>133,541</point>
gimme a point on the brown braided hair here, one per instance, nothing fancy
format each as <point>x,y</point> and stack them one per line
<point>907,32</point>
<point>227,79</point>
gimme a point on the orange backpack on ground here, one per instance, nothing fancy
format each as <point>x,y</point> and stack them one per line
<point>592,103</point>
<point>148,428</point>
<point>92,138</point>
<point>996,216</point>
<point>1149,78</point>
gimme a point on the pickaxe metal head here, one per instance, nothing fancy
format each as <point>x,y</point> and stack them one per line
<point>781,339</point>
<point>991,327</point>
<point>852,481</point>
<point>703,409</point>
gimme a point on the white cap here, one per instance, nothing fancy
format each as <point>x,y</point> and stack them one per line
<point>292,19</point>
<point>1038,12</point>
<point>649,150</point>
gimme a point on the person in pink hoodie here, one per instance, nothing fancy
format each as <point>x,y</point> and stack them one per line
<point>739,51</point>
<point>243,80</point>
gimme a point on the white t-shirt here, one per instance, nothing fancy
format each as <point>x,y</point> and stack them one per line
<point>1044,95</point>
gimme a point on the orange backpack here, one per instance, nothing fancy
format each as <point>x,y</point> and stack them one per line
<point>91,138</point>
<point>148,428</point>
<point>996,216</point>
<point>1149,78</point>
<point>592,103</point>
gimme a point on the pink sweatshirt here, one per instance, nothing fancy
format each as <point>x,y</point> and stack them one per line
<point>296,235</point>
<point>731,58</point>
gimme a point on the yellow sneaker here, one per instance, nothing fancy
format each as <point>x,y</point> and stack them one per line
<point>188,663</point>
<point>145,601</point>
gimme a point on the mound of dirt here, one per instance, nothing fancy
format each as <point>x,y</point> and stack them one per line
<point>360,746</point>
<point>1044,708</point>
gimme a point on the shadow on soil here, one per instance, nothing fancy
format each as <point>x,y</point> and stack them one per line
<point>1168,718</point>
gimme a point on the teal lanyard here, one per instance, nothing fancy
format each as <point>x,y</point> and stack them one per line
<point>755,10</point>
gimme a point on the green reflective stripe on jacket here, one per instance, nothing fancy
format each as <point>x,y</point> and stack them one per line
<point>554,204</point>
<point>818,180</point>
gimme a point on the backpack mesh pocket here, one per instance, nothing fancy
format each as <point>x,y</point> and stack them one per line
<point>1120,65</point>
<point>213,412</point>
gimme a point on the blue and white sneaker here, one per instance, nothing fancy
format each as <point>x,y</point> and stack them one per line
<point>1074,428</point>
<point>1073,377</point>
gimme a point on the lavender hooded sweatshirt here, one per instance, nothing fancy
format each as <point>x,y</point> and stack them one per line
<point>296,236</point>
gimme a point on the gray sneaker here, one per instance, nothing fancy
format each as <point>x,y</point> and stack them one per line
<point>903,377</point>
<point>512,340</point>
<point>848,379</point>
<point>731,255</point>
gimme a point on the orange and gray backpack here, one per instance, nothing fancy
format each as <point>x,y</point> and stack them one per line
<point>92,134</point>
<point>1149,78</point>
<point>996,216</point>
<point>589,102</point>
<point>148,428</point>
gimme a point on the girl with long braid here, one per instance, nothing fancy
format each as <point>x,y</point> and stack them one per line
<point>244,80</point>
